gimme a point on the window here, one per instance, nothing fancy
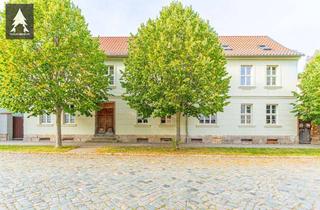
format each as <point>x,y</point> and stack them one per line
<point>205,120</point>
<point>111,74</point>
<point>68,118</point>
<point>271,114</point>
<point>142,120</point>
<point>246,75</point>
<point>271,75</point>
<point>246,113</point>
<point>45,119</point>
<point>166,120</point>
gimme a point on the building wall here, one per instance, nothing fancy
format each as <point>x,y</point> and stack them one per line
<point>82,130</point>
<point>228,128</point>
<point>5,125</point>
<point>287,77</point>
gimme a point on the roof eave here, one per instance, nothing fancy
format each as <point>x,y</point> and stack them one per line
<point>233,56</point>
<point>117,56</point>
<point>266,56</point>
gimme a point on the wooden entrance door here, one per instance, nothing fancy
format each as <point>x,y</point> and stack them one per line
<point>105,119</point>
<point>17,123</point>
<point>304,132</point>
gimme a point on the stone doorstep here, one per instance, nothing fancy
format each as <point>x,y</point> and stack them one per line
<point>103,138</point>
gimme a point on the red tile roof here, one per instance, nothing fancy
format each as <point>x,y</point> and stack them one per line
<point>114,46</point>
<point>239,46</point>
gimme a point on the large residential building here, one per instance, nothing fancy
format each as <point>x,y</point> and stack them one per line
<point>263,76</point>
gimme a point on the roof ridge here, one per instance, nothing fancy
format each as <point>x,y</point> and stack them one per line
<point>243,36</point>
<point>113,36</point>
<point>105,36</point>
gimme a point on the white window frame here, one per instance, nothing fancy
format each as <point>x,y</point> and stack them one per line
<point>112,76</point>
<point>245,115</point>
<point>166,120</point>
<point>208,120</point>
<point>69,118</point>
<point>272,75</point>
<point>246,76</point>
<point>45,119</point>
<point>271,114</point>
<point>141,120</point>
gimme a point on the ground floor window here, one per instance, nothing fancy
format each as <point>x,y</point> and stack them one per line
<point>68,118</point>
<point>142,120</point>
<point>166,120</point>
<point>246,114</point>
<point>211,119</point>
<point>271,114</point>
<point>45,119</point>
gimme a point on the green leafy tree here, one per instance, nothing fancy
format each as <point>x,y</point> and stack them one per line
<point>61,70</point>
<point>307,107</point>
<point>176,66</point>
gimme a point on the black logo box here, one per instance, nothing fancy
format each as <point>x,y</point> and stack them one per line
<point>11,12</point>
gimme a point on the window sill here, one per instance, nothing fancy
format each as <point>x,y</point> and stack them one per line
<point>272,87</point>
<point>247,86</point>
<point>166,125</point>
<point>207,126</point>
<point>273,126</point>
<point>246,126</point>
<point>45,125</point>
<point>142,125</point>
<point>69,125</point>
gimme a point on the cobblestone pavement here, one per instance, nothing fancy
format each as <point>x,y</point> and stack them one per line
<point>40,181</point>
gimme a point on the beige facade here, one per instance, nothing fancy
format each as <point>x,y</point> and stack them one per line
<point>228,127</point>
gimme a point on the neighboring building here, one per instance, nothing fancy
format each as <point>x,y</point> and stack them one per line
<point>11,125</point>
<point>5,125</point>
<point>264,74</point>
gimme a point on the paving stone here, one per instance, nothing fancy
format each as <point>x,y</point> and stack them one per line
<point>74,181</point>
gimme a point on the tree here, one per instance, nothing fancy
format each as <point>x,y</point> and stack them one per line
<point>61,70</point>
<point>307,107</point>
<point>176,66</point>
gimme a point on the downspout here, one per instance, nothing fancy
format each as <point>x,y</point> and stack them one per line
<point>186,139</point>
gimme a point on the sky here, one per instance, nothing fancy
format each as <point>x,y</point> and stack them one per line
<point>294,23</point>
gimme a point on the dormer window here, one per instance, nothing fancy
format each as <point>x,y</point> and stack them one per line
<point>226,47</point>
<point>264,47</point>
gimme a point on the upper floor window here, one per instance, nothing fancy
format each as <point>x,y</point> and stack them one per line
<point>246,75</point>
<point>271,114</point>
<point>45,119</point>
<point>246,114</point>
<point>271,75</point>
<point>166,120</point>
<point>111,74</point>
<point>211,119</point>
<point>68,118</point>
<point>142,120</point>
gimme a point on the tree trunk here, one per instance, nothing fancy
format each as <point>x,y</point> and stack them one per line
<point>58,124</point>
<point>178,135</point>
<point>187,133</point>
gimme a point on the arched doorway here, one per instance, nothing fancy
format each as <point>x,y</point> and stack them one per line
<point>105,119</point>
